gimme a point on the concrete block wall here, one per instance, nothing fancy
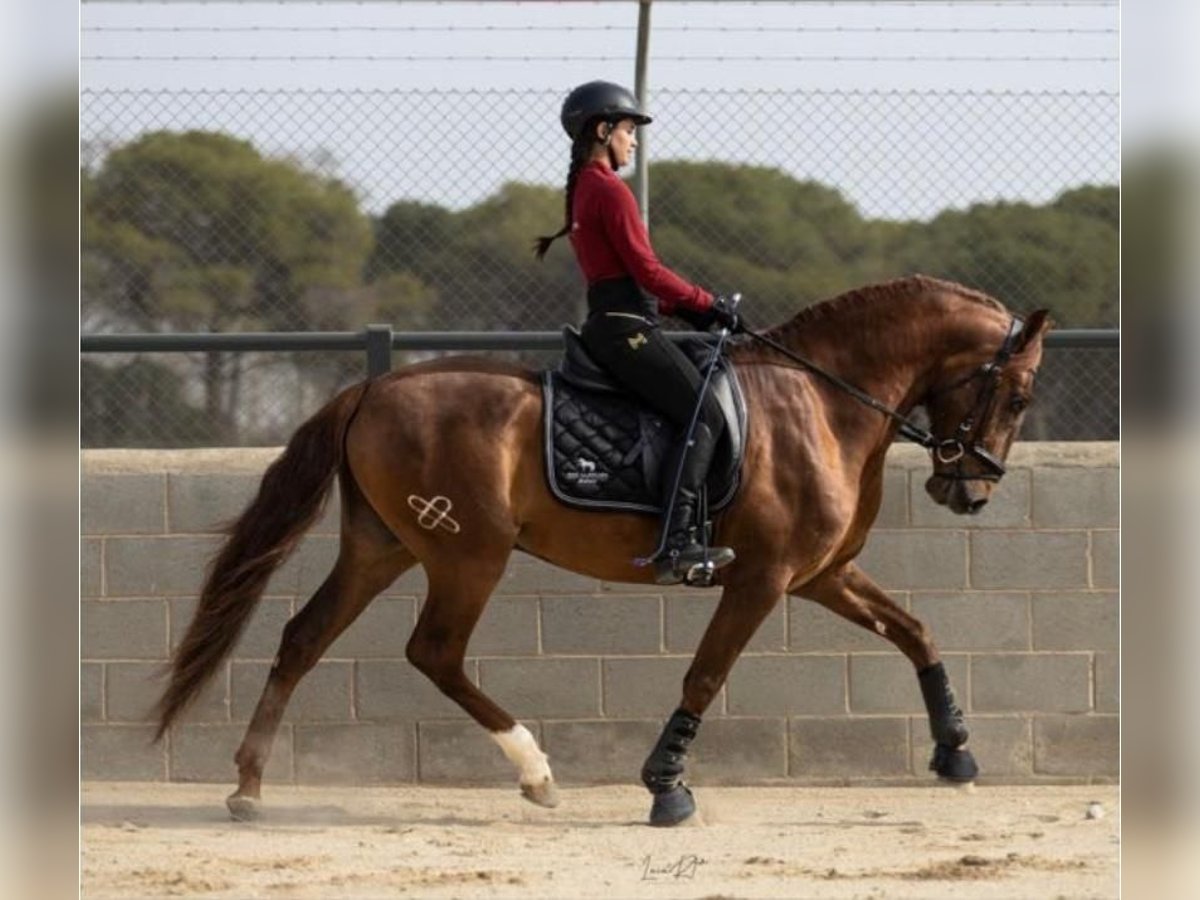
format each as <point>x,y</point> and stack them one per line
<point>1022,600</point>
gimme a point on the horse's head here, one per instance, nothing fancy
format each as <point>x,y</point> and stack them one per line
<point>976,414</point>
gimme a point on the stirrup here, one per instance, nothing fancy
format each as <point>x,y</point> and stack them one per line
<point>671,568</point>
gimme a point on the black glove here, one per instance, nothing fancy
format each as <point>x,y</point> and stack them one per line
<point>724,313</point>
<point>701,321</point>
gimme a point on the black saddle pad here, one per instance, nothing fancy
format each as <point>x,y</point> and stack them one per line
<point>605,450</point>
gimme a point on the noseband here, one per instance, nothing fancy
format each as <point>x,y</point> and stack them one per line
<point>945,450</point>
<point>962,444</point>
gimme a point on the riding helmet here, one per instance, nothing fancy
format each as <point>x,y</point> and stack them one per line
<point>599,100</point>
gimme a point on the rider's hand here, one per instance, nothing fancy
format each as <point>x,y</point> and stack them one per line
<point>724,313</point>
<point>701,321</point>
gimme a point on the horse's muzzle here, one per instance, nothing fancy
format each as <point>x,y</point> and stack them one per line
<point>968,497</point>
<point>965,498</point>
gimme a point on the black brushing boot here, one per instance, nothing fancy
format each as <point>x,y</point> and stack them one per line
<point>950,759</point>
<point>663,770</point>
<point>684,558</point>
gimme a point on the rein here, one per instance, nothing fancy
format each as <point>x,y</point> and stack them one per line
<point>945,450</point>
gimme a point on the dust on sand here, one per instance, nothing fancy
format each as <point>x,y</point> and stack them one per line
<point>156,840</point>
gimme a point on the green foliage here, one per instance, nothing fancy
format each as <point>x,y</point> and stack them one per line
<point>408,237</point>
<point>1063,256</point>
<point>401,299</point>
<point>480,260</point>
<point>199,231</point>
<point>132,404</point>
<point>786,244</point>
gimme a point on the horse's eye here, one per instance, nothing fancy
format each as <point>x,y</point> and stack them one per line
<point>1018,403</point>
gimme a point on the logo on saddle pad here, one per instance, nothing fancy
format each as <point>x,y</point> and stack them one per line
<point>586,473</point>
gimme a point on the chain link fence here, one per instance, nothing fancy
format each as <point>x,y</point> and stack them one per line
<point>280,210</point>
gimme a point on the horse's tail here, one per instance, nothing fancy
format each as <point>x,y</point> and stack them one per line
<point>290,497</point>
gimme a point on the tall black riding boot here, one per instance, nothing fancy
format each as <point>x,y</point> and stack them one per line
<point>685,558</point>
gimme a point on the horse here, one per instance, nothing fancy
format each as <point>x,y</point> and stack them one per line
<point>441,464</point>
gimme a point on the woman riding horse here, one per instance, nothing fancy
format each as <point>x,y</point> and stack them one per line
<point>622,330</point>
<point>441,464</point>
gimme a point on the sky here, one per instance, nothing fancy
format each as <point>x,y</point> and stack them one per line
<point>838,92</point>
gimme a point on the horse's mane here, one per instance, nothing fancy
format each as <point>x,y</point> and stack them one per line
<point>897,289</point>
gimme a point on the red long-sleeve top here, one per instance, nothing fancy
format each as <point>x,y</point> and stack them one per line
<point>610,241</point>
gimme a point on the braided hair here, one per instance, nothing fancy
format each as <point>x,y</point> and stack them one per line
<point>579,157</point>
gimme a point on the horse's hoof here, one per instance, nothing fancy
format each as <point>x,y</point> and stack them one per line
<point>243,808</point>
<point>543,794</point>
<point>954,764</point>
<point>673,807</point>
<point>962,787</point>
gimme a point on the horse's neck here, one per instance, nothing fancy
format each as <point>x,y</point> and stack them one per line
<point>889,355</point>
<point>892,351</point>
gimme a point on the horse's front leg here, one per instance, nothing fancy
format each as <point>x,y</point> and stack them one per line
<point>743,607</point>
<point>852,595</point>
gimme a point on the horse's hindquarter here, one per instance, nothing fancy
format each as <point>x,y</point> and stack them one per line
<point>451,457</point>
<point>435,448</point>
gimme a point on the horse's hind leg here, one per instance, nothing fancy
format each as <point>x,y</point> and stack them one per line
<point>458,593</point>
<point>852,595</point>
<point>369,560</point>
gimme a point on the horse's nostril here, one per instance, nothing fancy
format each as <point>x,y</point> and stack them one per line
<point>976,505</point>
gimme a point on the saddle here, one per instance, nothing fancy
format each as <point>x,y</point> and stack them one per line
<point>605,449</point>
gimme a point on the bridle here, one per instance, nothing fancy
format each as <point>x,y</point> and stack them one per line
<point>963,442</point>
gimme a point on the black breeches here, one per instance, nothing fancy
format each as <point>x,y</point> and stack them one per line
<point>649,365</point>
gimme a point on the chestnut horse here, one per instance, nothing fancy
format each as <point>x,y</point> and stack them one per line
<point>442,464</point>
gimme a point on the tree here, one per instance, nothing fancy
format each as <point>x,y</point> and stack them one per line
<point>1063,256</point>
<point>783,242</point>
<point>133,403</point>
<point>479,261</point>
<point>199,232</point>
<point>408,238</point>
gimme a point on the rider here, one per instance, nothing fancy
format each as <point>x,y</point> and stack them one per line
<point>622,329</point>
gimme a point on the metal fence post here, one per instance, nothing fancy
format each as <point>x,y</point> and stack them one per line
<point>641,172</point>
<point>379,350</point>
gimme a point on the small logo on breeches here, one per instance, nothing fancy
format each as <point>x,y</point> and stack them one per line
<point>637,340</point>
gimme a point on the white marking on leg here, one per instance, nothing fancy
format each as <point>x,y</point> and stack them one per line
<point>880,627</point>
<point>522,750</point>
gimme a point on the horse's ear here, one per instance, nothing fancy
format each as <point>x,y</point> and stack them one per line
<point>1036,325</point>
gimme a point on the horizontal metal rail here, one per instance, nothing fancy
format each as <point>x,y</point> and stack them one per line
<point>379,341</point>
<point>318,340</point>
